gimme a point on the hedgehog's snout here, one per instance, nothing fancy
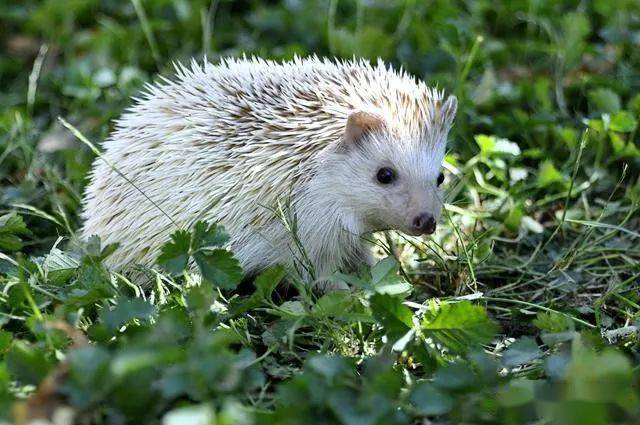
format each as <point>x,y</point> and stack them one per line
<point>424,224</point>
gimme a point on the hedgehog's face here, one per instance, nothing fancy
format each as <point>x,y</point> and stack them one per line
<point>403,188</point>
<point>391,183</point>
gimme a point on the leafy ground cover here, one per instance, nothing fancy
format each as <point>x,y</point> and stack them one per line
<point>523,308</point>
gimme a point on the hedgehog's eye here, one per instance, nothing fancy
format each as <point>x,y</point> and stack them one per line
<point>385,175</point>
<point>440,179</point>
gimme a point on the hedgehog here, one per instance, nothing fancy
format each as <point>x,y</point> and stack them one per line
<point>342,148</point>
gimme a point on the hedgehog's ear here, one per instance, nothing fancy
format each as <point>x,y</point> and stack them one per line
<point>359,124</point>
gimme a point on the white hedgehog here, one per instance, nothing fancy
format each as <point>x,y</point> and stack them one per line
<point>351,148</point>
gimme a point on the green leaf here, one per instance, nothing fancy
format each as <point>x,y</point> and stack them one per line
<point>623,122</point>
<point>522,351</point>
<point>604,100</point>
<point>268,280</point>
<point>601,377</point>
<point>208,236</point>
<point>27,363</point>
<point>134,359</point>
<point>10,242</point>
<point>552,322</point>
<point>555,366</point>
<point>58,260</point>
<point>329,367</point>
<point>384,269</point>
<point>88,378</point>
<point>491,145</point>
<point>386,279</point>
<point>175,254</point>
<point>622,148</point>
<point>516,393</point>
<point>127,309</point>
<point>265,284</point>
<point>458,326</point>
<point>199,298</point>
<point>92,247</point>
<point>5,380</point>
<point>12,225</point>
<point>428,400</point>
<point>634,104</point>
<point>293,308</point>
<point>219,267</point>
<point>548,174</point>
<point>351,280</point>
<point>395,317</point>
<point>596,124</point>
<point>513,219</point>
<point>334,304</point>
<point>353,411</point>
<point>5,341</point>
<point>454,376</point>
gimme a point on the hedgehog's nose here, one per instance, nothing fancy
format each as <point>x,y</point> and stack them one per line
<point>424,223</point>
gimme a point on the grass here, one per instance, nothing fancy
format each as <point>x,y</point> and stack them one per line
<point>524,307</point>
